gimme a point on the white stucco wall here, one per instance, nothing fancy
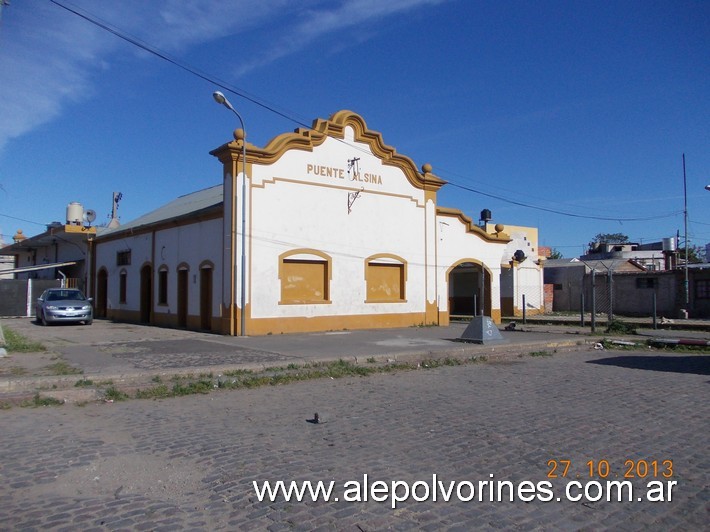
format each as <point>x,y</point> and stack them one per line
<point>191,244</point>
<point>456,244</point>
<point>294,206</point>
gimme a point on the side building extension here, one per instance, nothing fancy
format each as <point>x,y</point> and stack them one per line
<point>340,232</point>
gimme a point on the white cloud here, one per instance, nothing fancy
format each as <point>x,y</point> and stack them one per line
<point>49,55</point>
<point>314,23</point>
<point>45,61</point>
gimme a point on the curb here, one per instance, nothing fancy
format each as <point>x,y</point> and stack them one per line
<point>19,388</point>
<point>3,352</point>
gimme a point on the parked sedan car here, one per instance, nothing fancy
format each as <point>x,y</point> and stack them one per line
<point>57,305</point>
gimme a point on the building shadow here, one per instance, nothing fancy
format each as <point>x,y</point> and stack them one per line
<point>692,364</point>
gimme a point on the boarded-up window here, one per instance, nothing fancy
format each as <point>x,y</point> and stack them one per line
<point>304,281</point>
<point>385,282</point>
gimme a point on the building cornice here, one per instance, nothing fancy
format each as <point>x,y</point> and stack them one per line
<point>308,139</point>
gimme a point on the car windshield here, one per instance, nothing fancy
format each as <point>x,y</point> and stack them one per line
<point>65,295</point>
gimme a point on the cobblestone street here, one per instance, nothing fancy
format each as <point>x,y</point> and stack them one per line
<point>189,463</point>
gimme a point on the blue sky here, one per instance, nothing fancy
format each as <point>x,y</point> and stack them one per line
<point>569,106</point>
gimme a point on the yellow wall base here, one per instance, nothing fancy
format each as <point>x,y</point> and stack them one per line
<point>265,326</point>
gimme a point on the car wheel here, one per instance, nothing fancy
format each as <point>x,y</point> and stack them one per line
<point>88,322</point>
<point>44,320</point>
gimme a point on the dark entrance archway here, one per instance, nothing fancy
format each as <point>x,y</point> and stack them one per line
<point>469,290</point>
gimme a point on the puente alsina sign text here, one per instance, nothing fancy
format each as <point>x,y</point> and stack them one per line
<point>341,173</point>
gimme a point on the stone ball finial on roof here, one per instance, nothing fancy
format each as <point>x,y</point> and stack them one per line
<point>499,228</point>
<point>239,134</point>
<point>19,237</point>
<point>426,168</point>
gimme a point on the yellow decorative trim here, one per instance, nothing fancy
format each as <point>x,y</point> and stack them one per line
<point>472,261</point>
<point>323,258</point>
<point>432,314</point>
<point>308,139</point>
<point>472,227</point>
<point>306,251</point>
<point>398,261</point>
<point>80,229</point>
<point>495,315</point>
<point>264,326</point>
<point>276,180</point>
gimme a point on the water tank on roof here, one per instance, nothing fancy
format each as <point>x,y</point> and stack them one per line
<point>669,244</point>
<point>75,213</point>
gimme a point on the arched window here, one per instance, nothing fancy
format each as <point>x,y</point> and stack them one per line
<point>163,285</point>
<point>386,278</point>
<point>122,286</point>
<point>305,276</point>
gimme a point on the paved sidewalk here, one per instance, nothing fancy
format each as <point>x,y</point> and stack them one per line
<point>130,353</point>
<point>133,354</point>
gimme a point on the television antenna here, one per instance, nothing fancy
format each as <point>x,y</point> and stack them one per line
<point>353,164</point>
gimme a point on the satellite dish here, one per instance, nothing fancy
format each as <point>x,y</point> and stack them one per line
<point>89,215</point>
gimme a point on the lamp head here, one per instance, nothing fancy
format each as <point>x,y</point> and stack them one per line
<point>222,99</point>
<point>707,187</point>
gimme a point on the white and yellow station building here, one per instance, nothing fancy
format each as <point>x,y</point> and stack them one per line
<point>335,230</point>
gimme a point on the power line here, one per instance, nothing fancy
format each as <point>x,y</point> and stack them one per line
<point>290,117</point>
<point>21,219</point>
<point>163,55</point>
<point>563,213</point>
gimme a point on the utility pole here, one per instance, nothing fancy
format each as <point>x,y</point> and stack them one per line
<point>685,216</point>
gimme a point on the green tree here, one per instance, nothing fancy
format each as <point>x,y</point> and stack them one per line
<point>611,238</point>
<point>696,254</point>
<point>555,254</point>
<point>607,238</point>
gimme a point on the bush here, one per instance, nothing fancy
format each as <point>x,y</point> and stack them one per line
<point>620,327</point>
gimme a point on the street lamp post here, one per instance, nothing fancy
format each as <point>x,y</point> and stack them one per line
<point>685,220</point>
<point>222,100</point>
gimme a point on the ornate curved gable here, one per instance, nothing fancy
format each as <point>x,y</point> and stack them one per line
<point>308,139</point>
<point>471,227</point>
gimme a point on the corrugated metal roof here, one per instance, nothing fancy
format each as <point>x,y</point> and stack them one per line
<point>39,267</point>
<point>182,206</point>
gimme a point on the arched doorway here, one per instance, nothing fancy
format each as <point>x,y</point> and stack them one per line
<point>182,293</point>
<point>146,293</point>
<point>206,298</point>
<point>101,303</point>
<point>469,290</point>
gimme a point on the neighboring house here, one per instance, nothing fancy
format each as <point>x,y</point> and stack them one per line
<point>58,256</point>
<point>699,290</point>
<point>627,288</point>
<point>522,273</point>
<point>655,256</point>
<point>7,262</point>
<point>341,232</point>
